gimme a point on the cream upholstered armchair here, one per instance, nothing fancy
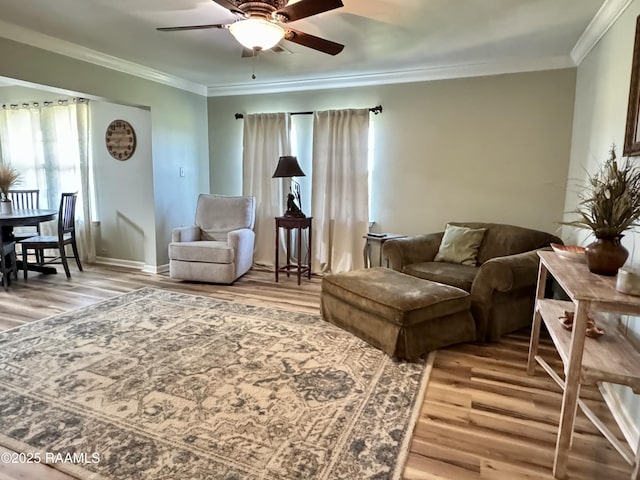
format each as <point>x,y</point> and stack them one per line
<point>219,247</point>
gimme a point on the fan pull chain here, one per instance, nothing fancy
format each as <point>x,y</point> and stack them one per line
<point>253,66</point>
<point>253,63</point>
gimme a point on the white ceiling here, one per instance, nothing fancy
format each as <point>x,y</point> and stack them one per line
<point>385,39</point>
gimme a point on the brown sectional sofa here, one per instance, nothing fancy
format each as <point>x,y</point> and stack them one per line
<point>502,284</point>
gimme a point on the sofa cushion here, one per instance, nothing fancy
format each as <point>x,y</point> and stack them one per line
<point>460,245</point>
<point>456,275</point>
<point>202,251</point>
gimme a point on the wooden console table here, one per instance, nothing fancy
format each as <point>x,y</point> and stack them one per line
<point>299,224</point>
<point>611,358</point>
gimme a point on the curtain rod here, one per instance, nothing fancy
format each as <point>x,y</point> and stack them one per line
<point>46,103</point>
<point>375,110</point>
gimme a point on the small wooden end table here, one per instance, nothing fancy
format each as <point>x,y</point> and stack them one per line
<point>299,224</point>
<point>380,238</point>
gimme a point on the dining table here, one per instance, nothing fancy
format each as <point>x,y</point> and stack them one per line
<point>25,217</point>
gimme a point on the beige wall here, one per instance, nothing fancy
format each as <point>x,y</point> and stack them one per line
<point>178,134</point>
<point>602,93</point>
<point>486,149</point>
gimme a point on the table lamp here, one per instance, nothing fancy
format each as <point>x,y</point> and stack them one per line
<point>288,167</point>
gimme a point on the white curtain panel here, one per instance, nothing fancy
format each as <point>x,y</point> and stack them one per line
<point>340,189</point>
<point>49,146</point>
<point>266,138</point>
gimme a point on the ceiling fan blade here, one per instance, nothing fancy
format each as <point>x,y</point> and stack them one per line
<point>230,6</point>
<point>191,27</point>
<point>311,41</point>
<point>247,52</point>
<point>307,8</point>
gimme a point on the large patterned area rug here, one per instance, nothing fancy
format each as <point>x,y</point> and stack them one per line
<point>159,385</point>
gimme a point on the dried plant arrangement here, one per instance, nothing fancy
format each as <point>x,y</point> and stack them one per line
<point>9,176</point>
<point>610,205</point>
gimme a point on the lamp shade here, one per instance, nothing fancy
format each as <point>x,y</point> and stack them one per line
<point>288,166</point>
<point>257,33</point>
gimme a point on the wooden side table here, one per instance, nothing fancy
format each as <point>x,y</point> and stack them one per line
<point>379,238</point>
<point>299,224</point>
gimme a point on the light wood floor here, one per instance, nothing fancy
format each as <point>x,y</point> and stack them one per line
<point>482,416</point>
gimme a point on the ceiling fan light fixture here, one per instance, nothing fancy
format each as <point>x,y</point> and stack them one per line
<point>257,33</point>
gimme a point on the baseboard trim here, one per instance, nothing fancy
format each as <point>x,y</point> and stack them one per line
<point>156,269</point>
<point>620,414</point>
<point>119,262</point>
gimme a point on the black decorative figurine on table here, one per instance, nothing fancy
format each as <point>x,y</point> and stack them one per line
<point>292,209</point>
<point>288,167</point>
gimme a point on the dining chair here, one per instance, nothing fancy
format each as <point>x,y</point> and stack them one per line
<point>66,236</point>
<point>26,200</point>
<point>8,263</point>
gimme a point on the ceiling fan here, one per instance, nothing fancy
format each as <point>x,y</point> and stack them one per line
<point>262,24</point>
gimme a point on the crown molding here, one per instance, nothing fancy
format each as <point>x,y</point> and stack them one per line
<point>605,17</point>
<point>39,40</point>
<point>403,76</point>
<point>599,25</point>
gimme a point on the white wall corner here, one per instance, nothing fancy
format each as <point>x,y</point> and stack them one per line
<point>156,269</point>
<point>620,414</point>
<point>602,21</point>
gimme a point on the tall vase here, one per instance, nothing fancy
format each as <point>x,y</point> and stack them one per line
<point>6,206</point>
<point>606,255</point>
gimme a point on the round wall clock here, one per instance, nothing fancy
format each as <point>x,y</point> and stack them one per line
<point>120,139</point>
